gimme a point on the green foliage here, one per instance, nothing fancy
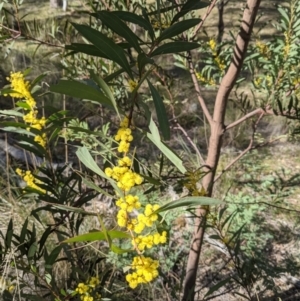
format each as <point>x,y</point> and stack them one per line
<point>112,62</point>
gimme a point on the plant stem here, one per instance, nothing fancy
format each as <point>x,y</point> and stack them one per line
<point>215,141</point>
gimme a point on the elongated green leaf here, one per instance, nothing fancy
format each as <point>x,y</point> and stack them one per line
<point>118,250</point>
<point>87,49</point>
<point>189,6</point>
<point>143,60</point>
<point>284,14</point>
<point>113,75</point>
<point>38,79</point>
<point>113,22</point>
<point>92,185</point>
<point>105,88</point>
<point>24,231</point>
<point>174,47</point>
<point>53,256</point>
<point>190,201</point>
<point>106,45</point>
<point>155,138</point>
<point>133,18</point>
<point>72,209</point>
<point>32,250</point>
<point>32,146</point>
<point>85,157</point>
<point>11,113</point>
<point>218,285</point>
<point>80,90</point>
<point>164,9</point>
<point>177,29</point>
<point>160,111</point>
<point>97,235</point>
<point>9,234</point>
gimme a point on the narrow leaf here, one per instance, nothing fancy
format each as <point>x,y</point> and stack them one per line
<point>9,234</point>
<point>218,285</point>
<point>113,22</point>
<point>87,49</point>
<point>11,113</point>
<point>53,256</point>
<point>160,111</point>
<point>189,6</point>
<point>105,88</point>
<point>97,235</point>
<point>92,185</point>
<point>79,90</point>
<point>133,18</point>
<point>106,45</point>
<point>155,138</point>
<point>174,47</point>
<point>190,201</point>
<point>32,250</point>
<point>143,60</point>
<point>177,29</point>
<point>118,250</point>
<point>85,157</point>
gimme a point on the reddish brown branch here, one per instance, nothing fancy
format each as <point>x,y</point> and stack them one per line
<point>245,151</point>
<point>198,90</point>
<point>215,141</point>
<point>242,119</point>
<point>199,26</point>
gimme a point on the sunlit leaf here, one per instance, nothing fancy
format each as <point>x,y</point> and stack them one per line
<point>85,157</point>
<point>155,138</point>
<point>105,88</point>
<point>11,113</point>
<point>190,201</point>
<point>97,235</point>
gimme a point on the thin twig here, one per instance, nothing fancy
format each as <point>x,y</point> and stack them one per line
<point>197,89</point>
<point>178,126</point>
<point>176,121</point>
<point>245,151</point>
<point>209,9</point>
<point>242,119</point>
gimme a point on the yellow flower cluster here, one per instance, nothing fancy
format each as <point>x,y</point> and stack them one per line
<point>163,24</point>
<point>132,85</point>
<point>21,89</point>
<point>142,242</point>
<point>146,271</point>
<point>218,61</point>
<point>85,290</point>
<point>259,80</point>
<point>30,180</point>
<point>204,80</point>
<point>129,203</point>
<point>124,136</point>
<point>287,44</point>
<point>6,284</point>
<point>124,176</point>
<point>146,268</point>
<point>263,49</point>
